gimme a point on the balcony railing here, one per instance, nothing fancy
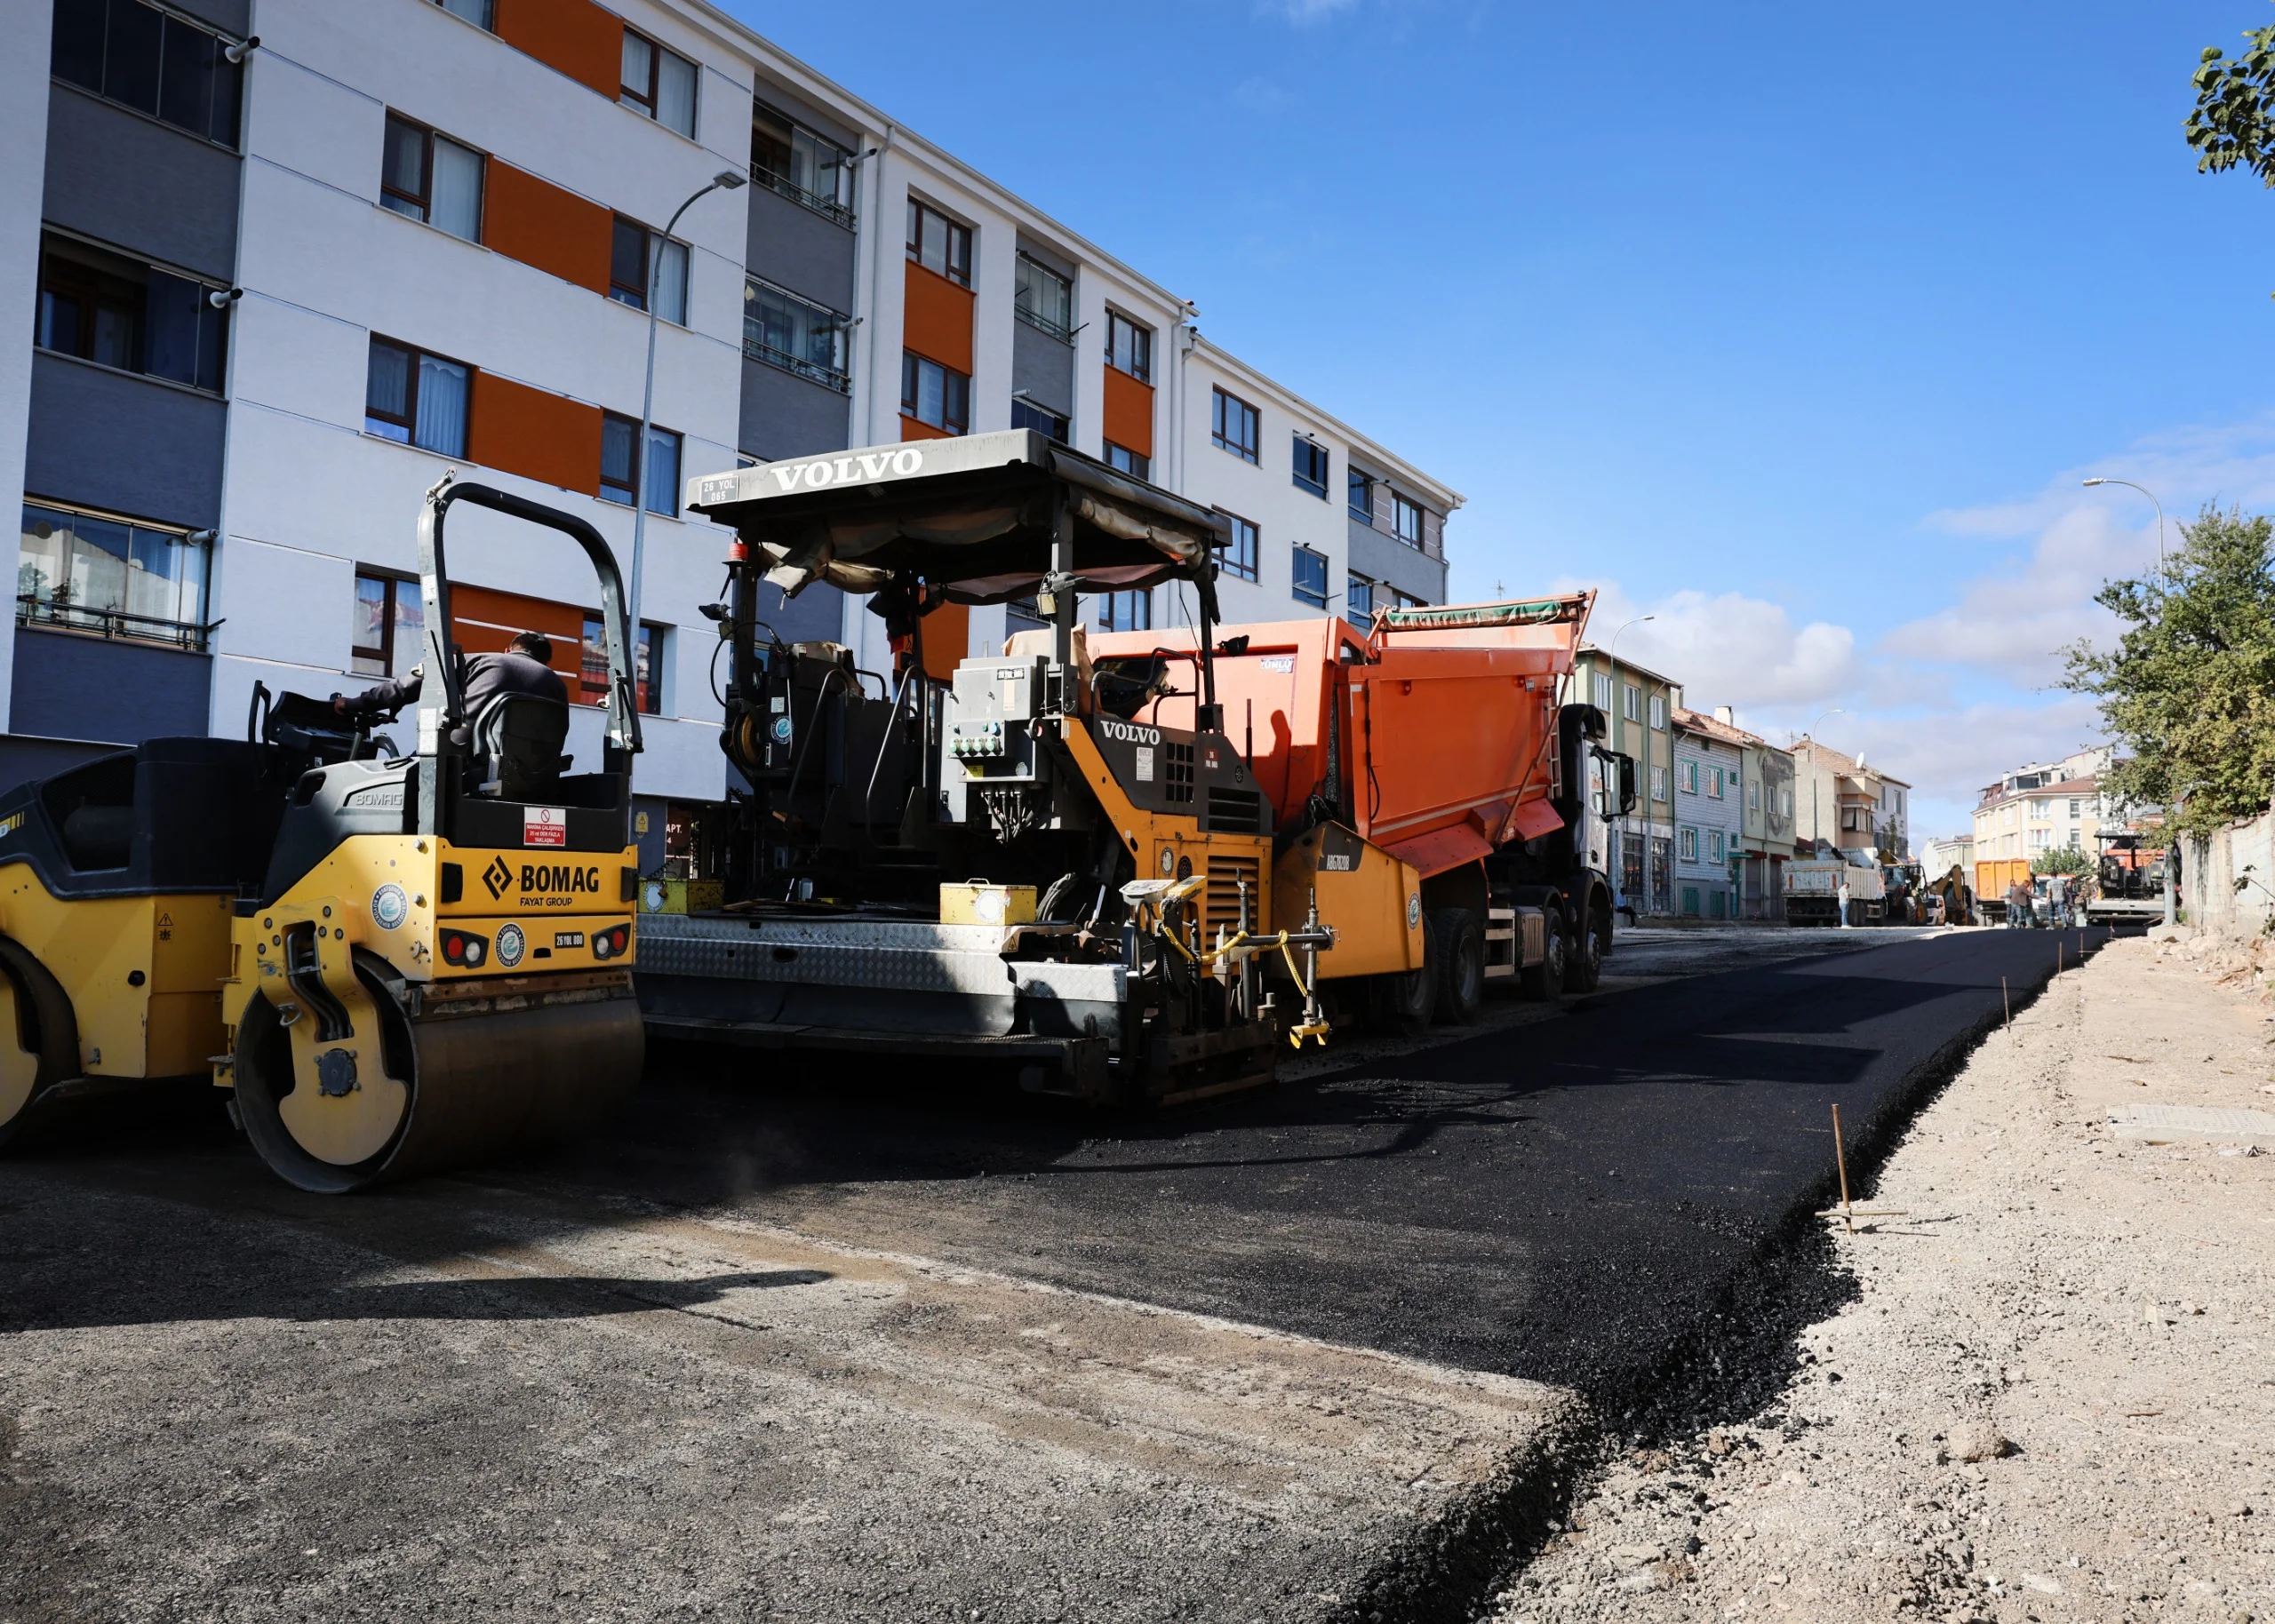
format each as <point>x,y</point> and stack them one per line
<point>812,371</point>
<point>829,208</point>
<point>1043,323</point>
<point>189,636</point>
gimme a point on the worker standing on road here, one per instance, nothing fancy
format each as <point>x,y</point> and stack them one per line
<point>1844,902</point>
<point>2018,907</point>
<point>525,667</point>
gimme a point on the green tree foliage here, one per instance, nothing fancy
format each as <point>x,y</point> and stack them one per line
<point>2234,122</point>
<point>2189,687</point>
<point>2066,860</point>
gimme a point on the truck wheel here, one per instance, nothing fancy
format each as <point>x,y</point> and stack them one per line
<point>1583,958</point>
<point>1546,979</point>
<point>1404,1003</point>
<point>1460,939</point>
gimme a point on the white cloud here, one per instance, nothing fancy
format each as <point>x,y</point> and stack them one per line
<point>1728,649</point>
<point>1310,11</point>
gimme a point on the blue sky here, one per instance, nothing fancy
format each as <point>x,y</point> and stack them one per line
<point>1797,333</point>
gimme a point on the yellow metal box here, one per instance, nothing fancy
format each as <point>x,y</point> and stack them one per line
<point>978,903</point>
<point>669,895</point>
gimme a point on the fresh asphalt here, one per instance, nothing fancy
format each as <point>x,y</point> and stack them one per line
<point>1558,1201</point>
<point>226,1400</point>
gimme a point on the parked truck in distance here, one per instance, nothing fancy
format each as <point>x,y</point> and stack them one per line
<point>2130,885</point>
<point>1993,876</point>
<point>1813,887</point>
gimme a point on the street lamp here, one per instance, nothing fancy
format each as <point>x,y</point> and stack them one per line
<point>2172,913</point>
<point>725,181</point>
<point>1816,823</point>
<point>1619,819</point>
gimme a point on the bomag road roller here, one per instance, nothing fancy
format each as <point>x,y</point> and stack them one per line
<point>395,963</point>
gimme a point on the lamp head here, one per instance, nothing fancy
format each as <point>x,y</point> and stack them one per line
<point>728,180</point>
<point>2096,479</point>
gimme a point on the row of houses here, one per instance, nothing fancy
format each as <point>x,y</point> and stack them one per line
<point>1720,811</point>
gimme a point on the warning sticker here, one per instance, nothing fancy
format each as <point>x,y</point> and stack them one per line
<point>545,827</point>
<point>1145,764</point>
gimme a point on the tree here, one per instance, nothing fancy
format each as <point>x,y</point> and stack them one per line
<point>2189,687</point>
<point>2234,122</point>
<point>2063,860</point>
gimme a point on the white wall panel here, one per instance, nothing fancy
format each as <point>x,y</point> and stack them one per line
<point>283,603</point>
<point>294,359</point>
<point>313,124</point>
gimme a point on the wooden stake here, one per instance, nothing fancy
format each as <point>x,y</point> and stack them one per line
<point>2058,946</point>
<point>2008,1002</point>
<point>1840,1160</point>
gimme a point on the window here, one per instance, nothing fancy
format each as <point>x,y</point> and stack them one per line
<point>1687,848</point>
<point>1359,597</point>
<point>784,331</point>
<point>88,572</point>
<point>2073,806</point>
<point>390,626</point>
<point>1310,467</point>
<point>631,248</point>
<point>1785,803</point>
<point>1408,601</point>
<point>2040,838</point>
<point>1754,795</point>
<point>1716,850</point>
<point>1659,710</point>
<point>1130,347</point>
<point>620,469</point>
<point>153,61</point>
<point>2074,832</point>
<point>427,177</point>
<point>1309,575</point>
<point>938,243</point>
<point>1233,425</point>
<point>658,83</point>
<point>1659,783</point>
<point>1599,691</point>
<point>801,166</point>
<point>1043,299</point>
<point>1406,519</point>
<point>2039,807</point>
<point>416,398</point>
<point>1126,611</point>
<point>933,394</point>
<point>1632,703</point>
<point>479,12</point>
<point>592,687</point>
<point>1123,460</point>
<point>1241,553</point>
<point>1361,488</point>
<point>123,313</point>
<point>1852,820</point>
<point>1049,423</point>
<point>1687,773</point>
<point>1718,783</point>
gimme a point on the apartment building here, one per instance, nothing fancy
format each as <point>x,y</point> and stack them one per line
<point>1848,805</point>
<point>1640,707</point>
<point>1709,815</point>
<point>285,283</point>
<point>2045,806</point>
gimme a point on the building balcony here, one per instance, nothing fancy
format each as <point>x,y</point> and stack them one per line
<point>782,186</point>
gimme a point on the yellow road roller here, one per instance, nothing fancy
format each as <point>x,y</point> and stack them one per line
<point>396,963</point>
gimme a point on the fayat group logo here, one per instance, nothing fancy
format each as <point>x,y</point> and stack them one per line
<point>498,877</point>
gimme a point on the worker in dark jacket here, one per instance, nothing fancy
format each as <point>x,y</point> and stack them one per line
<point>526,667</point>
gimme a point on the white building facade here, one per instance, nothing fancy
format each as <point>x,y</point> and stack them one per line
<point>283,289</point>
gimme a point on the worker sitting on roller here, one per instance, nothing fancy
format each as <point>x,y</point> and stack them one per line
<point>526,667</point>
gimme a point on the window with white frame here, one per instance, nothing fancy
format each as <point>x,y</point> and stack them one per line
<point>1659,783</point>
<point>1659,712</point>
<point>1688,845</point>
<point>1686,772</point>
<point>1599,691</point>
<point>1717,851</point>
<point>1631,704</point>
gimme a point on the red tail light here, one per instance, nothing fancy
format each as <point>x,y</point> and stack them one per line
<point>464,950</point>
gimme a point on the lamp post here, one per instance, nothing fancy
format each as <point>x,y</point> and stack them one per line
<point>1618,734</point>
<point>725,181</point>
<point>2171,900</point>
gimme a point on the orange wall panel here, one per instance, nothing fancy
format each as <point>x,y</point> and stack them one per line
<point>483,622</point>
<point>1128,412</point>
<point>912,428</point>
<point>538,223</point>
<point>935,318</point>
<point>537,435</point>
<point>948,634</point>
<point>575,36</point>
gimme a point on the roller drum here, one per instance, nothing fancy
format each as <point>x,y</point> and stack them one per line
<point>482,1077</point>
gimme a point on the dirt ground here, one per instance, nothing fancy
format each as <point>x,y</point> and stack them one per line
<point>2051,1395</point>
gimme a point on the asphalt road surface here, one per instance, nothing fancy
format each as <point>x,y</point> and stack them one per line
<point>825,1344</point>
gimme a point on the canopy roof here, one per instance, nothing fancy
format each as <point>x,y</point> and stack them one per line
<point>971,515</point>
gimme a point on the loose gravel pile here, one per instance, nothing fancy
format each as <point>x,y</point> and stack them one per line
<point>2052,1396</point>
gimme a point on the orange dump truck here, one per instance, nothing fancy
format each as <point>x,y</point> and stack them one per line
<point>1428,790</point>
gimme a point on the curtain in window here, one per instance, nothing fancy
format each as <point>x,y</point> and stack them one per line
<point>442,405</point>
<point>676,92</point>
<point>457,202</point>
<point>638,55</point>
<point>475,11</point>
<point>618,435</point>
<point>671,280</point>
<point>170,326</point>
<point>663,471</point>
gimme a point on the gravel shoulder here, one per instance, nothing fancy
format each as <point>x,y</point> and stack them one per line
<point>2050,1393</point>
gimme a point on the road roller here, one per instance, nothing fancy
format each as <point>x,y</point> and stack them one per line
<point>394,963</point>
